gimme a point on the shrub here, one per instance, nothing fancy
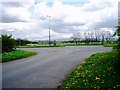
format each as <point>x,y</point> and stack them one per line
<point>118,41</point>
<point>8,43</point>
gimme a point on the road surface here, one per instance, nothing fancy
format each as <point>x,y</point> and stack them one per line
<point>48,68</point>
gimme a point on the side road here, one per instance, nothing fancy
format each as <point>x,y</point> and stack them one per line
<point>48,68</point>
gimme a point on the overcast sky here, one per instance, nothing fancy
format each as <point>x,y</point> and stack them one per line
<point>27,19</point>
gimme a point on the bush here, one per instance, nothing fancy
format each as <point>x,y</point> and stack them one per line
<point>118,42</point>
<point>8,43</point>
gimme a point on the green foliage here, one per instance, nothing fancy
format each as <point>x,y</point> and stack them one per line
<point>0,44</point>
<point>118,42</point>
<point>22,42</point>
<point>117,31</point>
<point>110,45</point>
<point>98,72</point>
<point>17,54</point>
<point>8,43</point>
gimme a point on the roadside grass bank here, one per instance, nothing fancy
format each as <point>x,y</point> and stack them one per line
<point>63,45</point>
<point>82,45</point>
<point>47,46</point>
<point>100,71</point>
<point>110,45</point>
<point>17,54</point>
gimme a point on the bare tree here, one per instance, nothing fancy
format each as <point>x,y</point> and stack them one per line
<point>76,37</point>
<point>108,36</point>
<point>86,36</point>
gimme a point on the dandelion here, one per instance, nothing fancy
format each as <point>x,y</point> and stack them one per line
<point>113,56</point>
<point>103,75</point>
<point>13,57</point>
<point>68,84</point>
<point>110,68</point>
<point>97,78</point>
<point>76,81</point>
<point>98,87</point>
<point>114,87</point>
<point>102,81</point>
<point>83,80</point>
<point>89,75</point>
<point>102,56</point>
<point>117,85</point>
<point>66,87</point>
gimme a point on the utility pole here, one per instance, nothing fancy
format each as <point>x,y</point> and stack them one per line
<point>49,29</point>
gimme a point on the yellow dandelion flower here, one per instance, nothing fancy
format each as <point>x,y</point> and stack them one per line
<point>83,80</point>
<point>97,78</point>
<point>89,75</point>
<point>103,75</point>
<point>117,85</point>
<point>114,87</point>
<point>102,81</point>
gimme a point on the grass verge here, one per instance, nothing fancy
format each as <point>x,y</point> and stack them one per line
<point>100,71</point>
<point>110,45</point>
<point>17,54</point>
<point>38,46</point>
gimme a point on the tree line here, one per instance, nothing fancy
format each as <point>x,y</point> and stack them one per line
<point>9,43</point>
<point>92,36</point>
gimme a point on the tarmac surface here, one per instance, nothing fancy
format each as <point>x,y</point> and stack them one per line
<point>48,68</point>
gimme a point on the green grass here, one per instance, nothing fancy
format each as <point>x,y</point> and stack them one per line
<point>109,45</point>
<point>39,46</point>
<point>58,45</point>
<point>100,71</point>
<point>17,54</point>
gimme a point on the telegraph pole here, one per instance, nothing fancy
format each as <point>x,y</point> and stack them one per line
<point>49,29</point>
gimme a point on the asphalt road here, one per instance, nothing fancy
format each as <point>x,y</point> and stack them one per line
<point>47,69</point>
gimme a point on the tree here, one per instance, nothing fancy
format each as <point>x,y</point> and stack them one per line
<point>108,36</point>
<point>97,36</point>
<point>76,37</point>
<point>8,43</point>
<point>118,41</point>
<point>22,42</point>
<point>87,37</point>
<point>0,44</point>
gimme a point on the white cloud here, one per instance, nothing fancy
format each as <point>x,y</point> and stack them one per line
<point>16,11</point>
<point>30,20</point>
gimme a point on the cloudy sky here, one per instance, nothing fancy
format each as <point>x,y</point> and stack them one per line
<point>27,19</point>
